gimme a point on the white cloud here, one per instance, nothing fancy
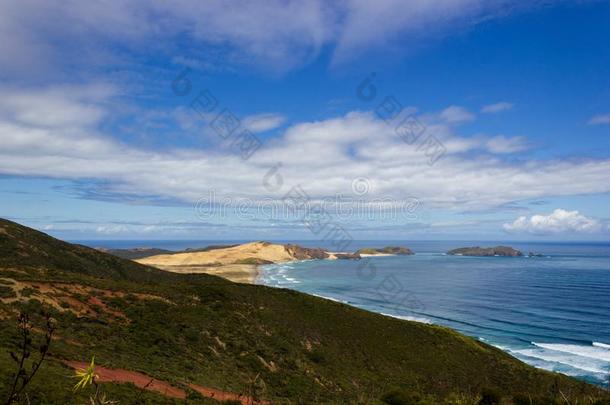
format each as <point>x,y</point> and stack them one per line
<point>131,229</point>
<point>502,144</point>
<point>322,156</point>
<point>366,24</point>
<point>263,122</point>
<point>277,34</point>
<point>456,114</point>
<point>58,106</point>
<point>496,108</point>
<point>111,230</point>
<point>600,119</point>
<point>559,221</point>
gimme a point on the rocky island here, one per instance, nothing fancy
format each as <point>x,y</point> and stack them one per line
<point>490,251</point>
<point>386,251</point>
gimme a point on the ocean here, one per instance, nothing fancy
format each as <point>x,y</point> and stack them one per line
<point>552,312</point>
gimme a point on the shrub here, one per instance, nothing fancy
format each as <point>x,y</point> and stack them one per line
<point>316,356</point>
<point>490,396</point>
<point>27,291</point>
<point>7,292</point>
<point>396,397</point>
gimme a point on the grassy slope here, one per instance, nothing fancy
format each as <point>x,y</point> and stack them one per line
<point>220,334</point>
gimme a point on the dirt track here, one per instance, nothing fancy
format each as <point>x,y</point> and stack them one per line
<point>152,384</point>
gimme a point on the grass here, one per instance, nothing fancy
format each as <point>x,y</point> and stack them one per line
<point>253,261</point>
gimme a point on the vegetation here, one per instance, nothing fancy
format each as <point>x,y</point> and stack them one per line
<point>23,357</point>
<point>492,251</point>
<point>391,250</point>
<point>141,253</point>
<point>253,261</point>
<point>269,343</point>
<point>137,253</point>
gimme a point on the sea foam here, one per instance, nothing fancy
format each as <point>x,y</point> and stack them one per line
<point>573,361</point>
<point>592,352</point>
<point>409,318</point>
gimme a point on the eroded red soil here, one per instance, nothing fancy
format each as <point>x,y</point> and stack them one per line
<point>152,384</point>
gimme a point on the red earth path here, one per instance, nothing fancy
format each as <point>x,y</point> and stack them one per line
<point>141,380</point>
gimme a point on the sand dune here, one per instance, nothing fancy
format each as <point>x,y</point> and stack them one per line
<point>237,263</point>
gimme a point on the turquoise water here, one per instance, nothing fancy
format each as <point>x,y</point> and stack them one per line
<point>552,312</point>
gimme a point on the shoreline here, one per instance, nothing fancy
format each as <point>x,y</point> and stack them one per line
<point>243,273</point>
<point>518,351</point>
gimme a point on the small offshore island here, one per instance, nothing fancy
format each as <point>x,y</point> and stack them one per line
<point>386,251</point>
<point>484,252</point>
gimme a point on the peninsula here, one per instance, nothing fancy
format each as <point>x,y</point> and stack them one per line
<point>239,263</point>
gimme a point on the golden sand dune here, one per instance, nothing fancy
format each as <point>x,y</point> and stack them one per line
<point>239,263</point>
<point>262,251</point>
<point>236,263</point>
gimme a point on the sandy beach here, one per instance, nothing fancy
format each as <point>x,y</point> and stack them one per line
<point>376,254</point>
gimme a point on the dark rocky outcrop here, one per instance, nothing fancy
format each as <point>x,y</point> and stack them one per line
<point>491,251</point>
<point>534,254</point>
<point>348,256</point>
<point>302,253</point>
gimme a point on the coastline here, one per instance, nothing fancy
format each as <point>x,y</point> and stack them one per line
<point>242,273</point>
<point>587,358</point>
<point>376,254</point>
<point>239,263</point>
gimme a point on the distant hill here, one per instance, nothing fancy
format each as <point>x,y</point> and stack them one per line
<point>388,250</point>
<point>492,251</point>
<point>135,253</point>
<point>142,252</point>
<point>25,248</point>
<point>194,331</point>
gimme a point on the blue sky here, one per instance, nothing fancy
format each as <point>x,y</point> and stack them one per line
<point>510,103</point>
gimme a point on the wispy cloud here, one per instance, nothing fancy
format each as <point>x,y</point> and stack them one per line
<point>503,144</point>
<point>263,122</point>
<point>496,108</point>
<point>559,221</point>
<point>456,115</point>
<point>277,34</point>
<point>602,119</point>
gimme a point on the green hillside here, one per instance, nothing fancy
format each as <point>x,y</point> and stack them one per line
<point>208,331</point>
